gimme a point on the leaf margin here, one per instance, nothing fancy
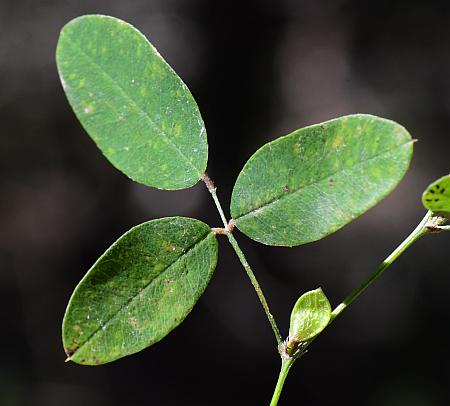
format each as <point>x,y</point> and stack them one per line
<point>200,170</point>
<point>410,142</point>
<point>71,354</point>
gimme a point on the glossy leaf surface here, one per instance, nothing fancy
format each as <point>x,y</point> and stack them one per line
<point>308,184</point>
<point>139,290</point>
<point>130,101</point>
<point>436,197</point>
<point>310,315</point>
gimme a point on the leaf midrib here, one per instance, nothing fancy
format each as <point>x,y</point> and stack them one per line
<point>282,196</point>
<point>133,102</point>
<point>139,293</point>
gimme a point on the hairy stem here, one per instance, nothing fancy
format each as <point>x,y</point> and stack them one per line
<point>285,367</point>
<point>228,231</point>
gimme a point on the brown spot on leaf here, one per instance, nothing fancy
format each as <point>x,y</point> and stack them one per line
<point>133,322</point>
<point>96,360</point>
<point>330,181</point>
<point>286,188</point>
<point>169,247</point>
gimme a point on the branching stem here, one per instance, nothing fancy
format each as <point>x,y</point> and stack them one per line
<point>429,224</point>
<point>228,231</point>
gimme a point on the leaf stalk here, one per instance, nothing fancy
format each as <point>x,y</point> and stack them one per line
<point>229,226</point>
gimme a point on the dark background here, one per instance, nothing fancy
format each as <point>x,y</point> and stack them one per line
<point>258,69</point>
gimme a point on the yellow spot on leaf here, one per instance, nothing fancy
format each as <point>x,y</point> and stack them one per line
<point>177,129</point>
<point>337,142</point>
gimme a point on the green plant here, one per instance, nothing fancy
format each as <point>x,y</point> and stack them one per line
<point>294,190</point>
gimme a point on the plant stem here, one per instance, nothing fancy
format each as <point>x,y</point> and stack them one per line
<point>286,364</point>
<point>429,224</point>
<point>212,189</point>
<point>256,286</point>
<point>418,232</point>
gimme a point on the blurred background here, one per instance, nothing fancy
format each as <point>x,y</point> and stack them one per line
<point>258,69</point>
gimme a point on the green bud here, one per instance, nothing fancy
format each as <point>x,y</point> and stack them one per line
<point>310,315</point>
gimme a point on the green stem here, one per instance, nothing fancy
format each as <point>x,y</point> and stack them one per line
<point>256,286</point>
<point>286,364</point>
<point>228,231</point>
<point>418,232</point>
<point>429,224</point>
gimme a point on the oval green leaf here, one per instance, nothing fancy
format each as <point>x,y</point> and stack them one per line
<point>310,315</point>
<point>139,290</point>
<point>130,101</point>
<point>436,197</point>
<point>310,183</point>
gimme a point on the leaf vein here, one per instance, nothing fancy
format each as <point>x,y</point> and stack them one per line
<point>134,103</point>
<point>274,201</point>
<point>139,293</point>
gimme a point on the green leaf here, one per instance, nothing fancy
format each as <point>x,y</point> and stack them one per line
<point>130,101</point>
<point>139,290</point>
<point>436,197</point>
<point>310,183</point>
<point>310,315</point>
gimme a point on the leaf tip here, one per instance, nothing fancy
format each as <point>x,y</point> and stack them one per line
<point>69,352</point>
